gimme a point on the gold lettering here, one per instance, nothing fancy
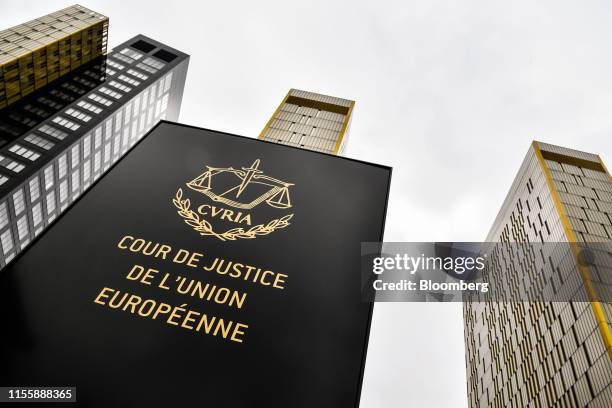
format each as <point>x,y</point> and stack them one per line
<point>135,272</point>
<point>121,243</point>
<point>238,332</point>
<point>103,294</point>
<point>227,215</point>
<point>279,281</point>
<point>163,281</point>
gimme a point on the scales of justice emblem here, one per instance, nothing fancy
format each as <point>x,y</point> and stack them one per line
<point>240,189</point>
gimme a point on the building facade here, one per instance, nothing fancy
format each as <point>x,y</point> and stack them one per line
<point>544,354</point>
<point>40,51</point>
<point>310,121</point>
<point>58,140</point>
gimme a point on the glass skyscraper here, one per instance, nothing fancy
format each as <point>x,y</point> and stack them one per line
<point>544,354</point>
<point>58,140</point>
<point>310,121</point>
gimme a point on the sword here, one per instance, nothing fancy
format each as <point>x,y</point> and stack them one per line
<point>250,172</point>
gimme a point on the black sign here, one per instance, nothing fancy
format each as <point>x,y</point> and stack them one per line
<point>205,269</point>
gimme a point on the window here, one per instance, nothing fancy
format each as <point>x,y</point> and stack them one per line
<point>62,166</point>
<point>118,116</point>
<point>72,87</point>
<point>37,214</point>
<point>136,105</point>
<point>110,71</point>
<point>50,202</point>
<point>137,74</point>
<point>11,164</point>
<point>97,161</point>
<point>94,75</point>
<point>18,202</point>
<point>147,68</point>
<point>100,100</point>
<point>86,145</point>
<point>48,102</point>
<point>145,98</point>
<point>128,114</point>
<point>119,86</point>
<point>75,181</point>
<point>74,158</point>
<point>89,107</point>
<point>128,80</point>
<point>3,179</point>
<point>51,131</point>
<point>61,95</point>
<point>142,122</point>
<point>39,141</point>
<point>77,114</point>
<point>160,87</point>
<point>164,103</point>
<point>41,113</point>
<point>7,241</point>
<point>63,190</point>
<point>98,137</point>
<point>34,190</point>
<point>123,58</point>
<point>60,120</point>
<point>131,53</point>
<point>109,128</point>
<point>3,215</point>
<point>86,171</point>
<point>115,64</point>
<point>106,152</point>
<point>24,152</point>
<point>108,92</point>
<point>135,129</point>
<point>167,81</point>
<point>153,63</point>
<point>84,81</point>
<point>22,227</point>
<point>48,177</point>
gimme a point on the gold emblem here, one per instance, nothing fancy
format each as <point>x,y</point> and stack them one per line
<point>240,189</point>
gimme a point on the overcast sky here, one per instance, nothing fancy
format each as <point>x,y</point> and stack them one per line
<point>449,93</point>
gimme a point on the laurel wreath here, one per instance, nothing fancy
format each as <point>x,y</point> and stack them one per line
<point>204,227</point>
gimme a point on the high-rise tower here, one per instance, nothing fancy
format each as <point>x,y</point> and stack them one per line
<point>56,141</point>
<point>310,121</point>
<point>543,354</point>
<point>40,51</point>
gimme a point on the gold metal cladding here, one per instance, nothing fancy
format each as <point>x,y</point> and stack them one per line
<point>588,164</point>
<point>263,132</point>
<point>347,120</point>
<point>329,107</point>
<point>64,62</point>
<point>310,103</point>
<point>600,316</point>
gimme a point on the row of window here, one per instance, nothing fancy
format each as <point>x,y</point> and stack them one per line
<point>62,121</point>
<point>24,152</point>
<point>63,192</point>
<point>154,103</point>
<point>90,107</point>
<point>108,141</point>
<point>77,114</point>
